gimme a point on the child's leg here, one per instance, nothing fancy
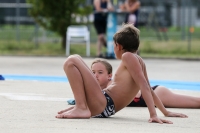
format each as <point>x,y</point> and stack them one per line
<point>87,92</point>
<point>170,99</point>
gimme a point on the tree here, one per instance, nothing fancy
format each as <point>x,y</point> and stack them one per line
<point>57,15</point>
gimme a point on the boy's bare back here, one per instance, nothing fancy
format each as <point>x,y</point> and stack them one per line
<point>124,87</point>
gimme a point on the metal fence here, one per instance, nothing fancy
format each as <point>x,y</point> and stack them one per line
<point>158,20</point>
<point>16,25</point>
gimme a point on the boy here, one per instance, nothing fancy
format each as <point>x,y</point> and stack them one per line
<point>130,77</point>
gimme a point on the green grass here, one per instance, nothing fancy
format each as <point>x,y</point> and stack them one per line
<point>42,49</point>
<point>170,49</point>
<point>153,49</point>
<point>150,45</point>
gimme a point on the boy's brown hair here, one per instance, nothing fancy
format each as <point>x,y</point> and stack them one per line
<point>128,37</point>
<point>105,63</point>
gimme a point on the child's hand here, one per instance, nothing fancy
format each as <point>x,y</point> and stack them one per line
<point>158,120</point>
<point>173,114</point>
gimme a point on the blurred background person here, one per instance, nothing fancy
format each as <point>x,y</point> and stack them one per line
<point>132,7</point>
<point>101,7</point>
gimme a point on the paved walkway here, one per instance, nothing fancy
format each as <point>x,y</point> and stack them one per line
<point>30,106</point>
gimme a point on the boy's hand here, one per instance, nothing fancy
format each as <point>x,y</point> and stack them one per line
<point>173,114</point>
<point>158,120</point>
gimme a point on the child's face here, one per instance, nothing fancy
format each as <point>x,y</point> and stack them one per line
<point>101,74</point>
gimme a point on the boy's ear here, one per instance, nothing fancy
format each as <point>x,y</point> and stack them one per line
<point>120,47</point>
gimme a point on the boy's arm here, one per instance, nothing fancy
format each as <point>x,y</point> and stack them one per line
<point>158,103</point>
<point>135,70</point>
<point>161,107</point>
<point>156,99</point>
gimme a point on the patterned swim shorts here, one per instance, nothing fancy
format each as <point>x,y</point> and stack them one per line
<point>110,108</point>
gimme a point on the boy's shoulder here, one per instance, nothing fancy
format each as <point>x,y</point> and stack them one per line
<point>131,57</point>
<point>127,54</point>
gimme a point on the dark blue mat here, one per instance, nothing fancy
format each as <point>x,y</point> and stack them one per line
<point>1,77</point>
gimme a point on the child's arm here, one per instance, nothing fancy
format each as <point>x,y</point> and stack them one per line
<point>135,70</point>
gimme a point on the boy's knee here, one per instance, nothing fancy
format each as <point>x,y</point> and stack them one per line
<point>74,56</point>
<point>68,62</point>
<point>78,56</point>
<point>71,60</point>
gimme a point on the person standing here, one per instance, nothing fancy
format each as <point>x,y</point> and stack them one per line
<point>101,7</point>
<point>132,9</point>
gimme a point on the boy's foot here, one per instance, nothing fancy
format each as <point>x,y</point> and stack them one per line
<point>65,110</point>
<point>75,113</point>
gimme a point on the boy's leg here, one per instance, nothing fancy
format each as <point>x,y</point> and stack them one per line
<point>87,92</point>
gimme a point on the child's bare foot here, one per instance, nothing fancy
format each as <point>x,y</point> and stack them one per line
<point>65,110</point>
<point>75,113</point>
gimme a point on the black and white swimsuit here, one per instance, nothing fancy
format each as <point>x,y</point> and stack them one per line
<point>110,108</point>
